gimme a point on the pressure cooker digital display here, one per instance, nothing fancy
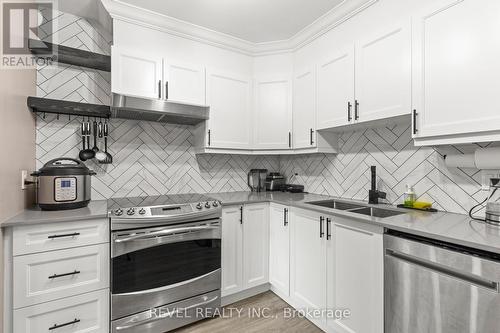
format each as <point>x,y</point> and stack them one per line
<point>65,189</point>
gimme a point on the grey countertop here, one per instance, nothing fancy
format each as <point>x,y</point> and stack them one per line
<point>449,227</point>
<point>95,209</point>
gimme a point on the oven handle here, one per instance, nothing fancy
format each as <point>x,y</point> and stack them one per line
<point>169,287</point>
<point>177,310</point>
<point>164,233</point>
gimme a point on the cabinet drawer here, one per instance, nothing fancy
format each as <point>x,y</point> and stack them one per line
<point>61,235</point>
<point>48,276</point>
<point>87,313</point>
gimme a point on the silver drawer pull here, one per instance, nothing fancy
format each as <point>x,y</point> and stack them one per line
<point>445,270</point>
<point>177,310</point>
<point>55,276</point>
<point>74,234</point>
<point>56,326</point>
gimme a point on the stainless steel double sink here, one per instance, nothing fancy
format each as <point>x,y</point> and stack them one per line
<point>357,208</point>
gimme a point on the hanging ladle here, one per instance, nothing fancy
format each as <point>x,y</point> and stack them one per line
<point>86,153</point>
<point>109,158</point>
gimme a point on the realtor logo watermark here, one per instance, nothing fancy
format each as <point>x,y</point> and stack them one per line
<point>27,26</point>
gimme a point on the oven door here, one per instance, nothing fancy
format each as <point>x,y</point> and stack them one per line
<point>161,265</point>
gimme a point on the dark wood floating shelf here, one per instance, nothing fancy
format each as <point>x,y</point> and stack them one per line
<point>46,105</point>
<point>70,55</point>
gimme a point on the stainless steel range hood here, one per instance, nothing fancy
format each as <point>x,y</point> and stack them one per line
<point>130,107</point>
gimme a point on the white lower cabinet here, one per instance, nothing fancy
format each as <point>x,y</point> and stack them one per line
<point>87,313</point>
<point>355,278</point>
<point>255,245</point>
<point>316,262</point>
<point>307,260</point>
<point>55,236</point>
<point>279,249</point>
<point>245,247</point>
<point>47,276</point>
<point>60,278</point>
<point>232,250</point>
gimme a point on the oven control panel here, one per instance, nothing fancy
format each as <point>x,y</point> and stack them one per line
<point>165,211</point>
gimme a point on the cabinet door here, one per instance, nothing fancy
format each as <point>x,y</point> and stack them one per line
<point>383,74</point>
<point>232,256</point>
<point>304,109</point>
<point>85,313</point>
<point>336,89</point>
<point>184,82</point>
<point>255,245</point>
<point>228,96</point>
<point>279,249</point>
<point>136,73</point>
<point>456,64</point>
<point>355,277</point>
<point>273,113</point>
<point>307,260</point>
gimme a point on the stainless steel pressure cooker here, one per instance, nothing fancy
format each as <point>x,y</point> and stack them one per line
<point>63,183</point>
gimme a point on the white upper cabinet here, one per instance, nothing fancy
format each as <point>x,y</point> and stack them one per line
<point>148,74</point>
<point>184,82</point>
<point>273,112</point>
<point>335,95</point>
<point>229,97</point>
<point>383,74</point>
<point>456,52</point>
<point>304,109</point>
<point>136,73</point>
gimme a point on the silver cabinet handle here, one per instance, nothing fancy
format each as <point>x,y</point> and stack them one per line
<point>166,90</point>
<point>349,106</point>
<point>445,270</point>
<point>159,89</point>
<point>147,321</point>
<point>164,233</point>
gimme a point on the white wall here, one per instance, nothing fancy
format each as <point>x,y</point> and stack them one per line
<point>17,135</point>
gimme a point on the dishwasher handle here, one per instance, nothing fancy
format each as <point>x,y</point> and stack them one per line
<point>445,270</point>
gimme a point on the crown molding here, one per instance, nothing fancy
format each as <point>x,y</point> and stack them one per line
<point>119,10</point>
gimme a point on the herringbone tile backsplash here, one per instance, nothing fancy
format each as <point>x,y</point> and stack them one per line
<point>153,158</point>
<point>398,162</point>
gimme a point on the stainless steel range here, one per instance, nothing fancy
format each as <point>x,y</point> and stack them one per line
<point>165,261</point>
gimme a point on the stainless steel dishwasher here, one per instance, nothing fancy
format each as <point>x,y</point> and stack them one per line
<point>433,286</point>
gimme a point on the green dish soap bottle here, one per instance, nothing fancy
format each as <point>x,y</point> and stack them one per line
<point>409,197</point>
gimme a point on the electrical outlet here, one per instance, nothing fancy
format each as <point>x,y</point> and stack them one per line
<point>24,176</point>
<point>485,178</point>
